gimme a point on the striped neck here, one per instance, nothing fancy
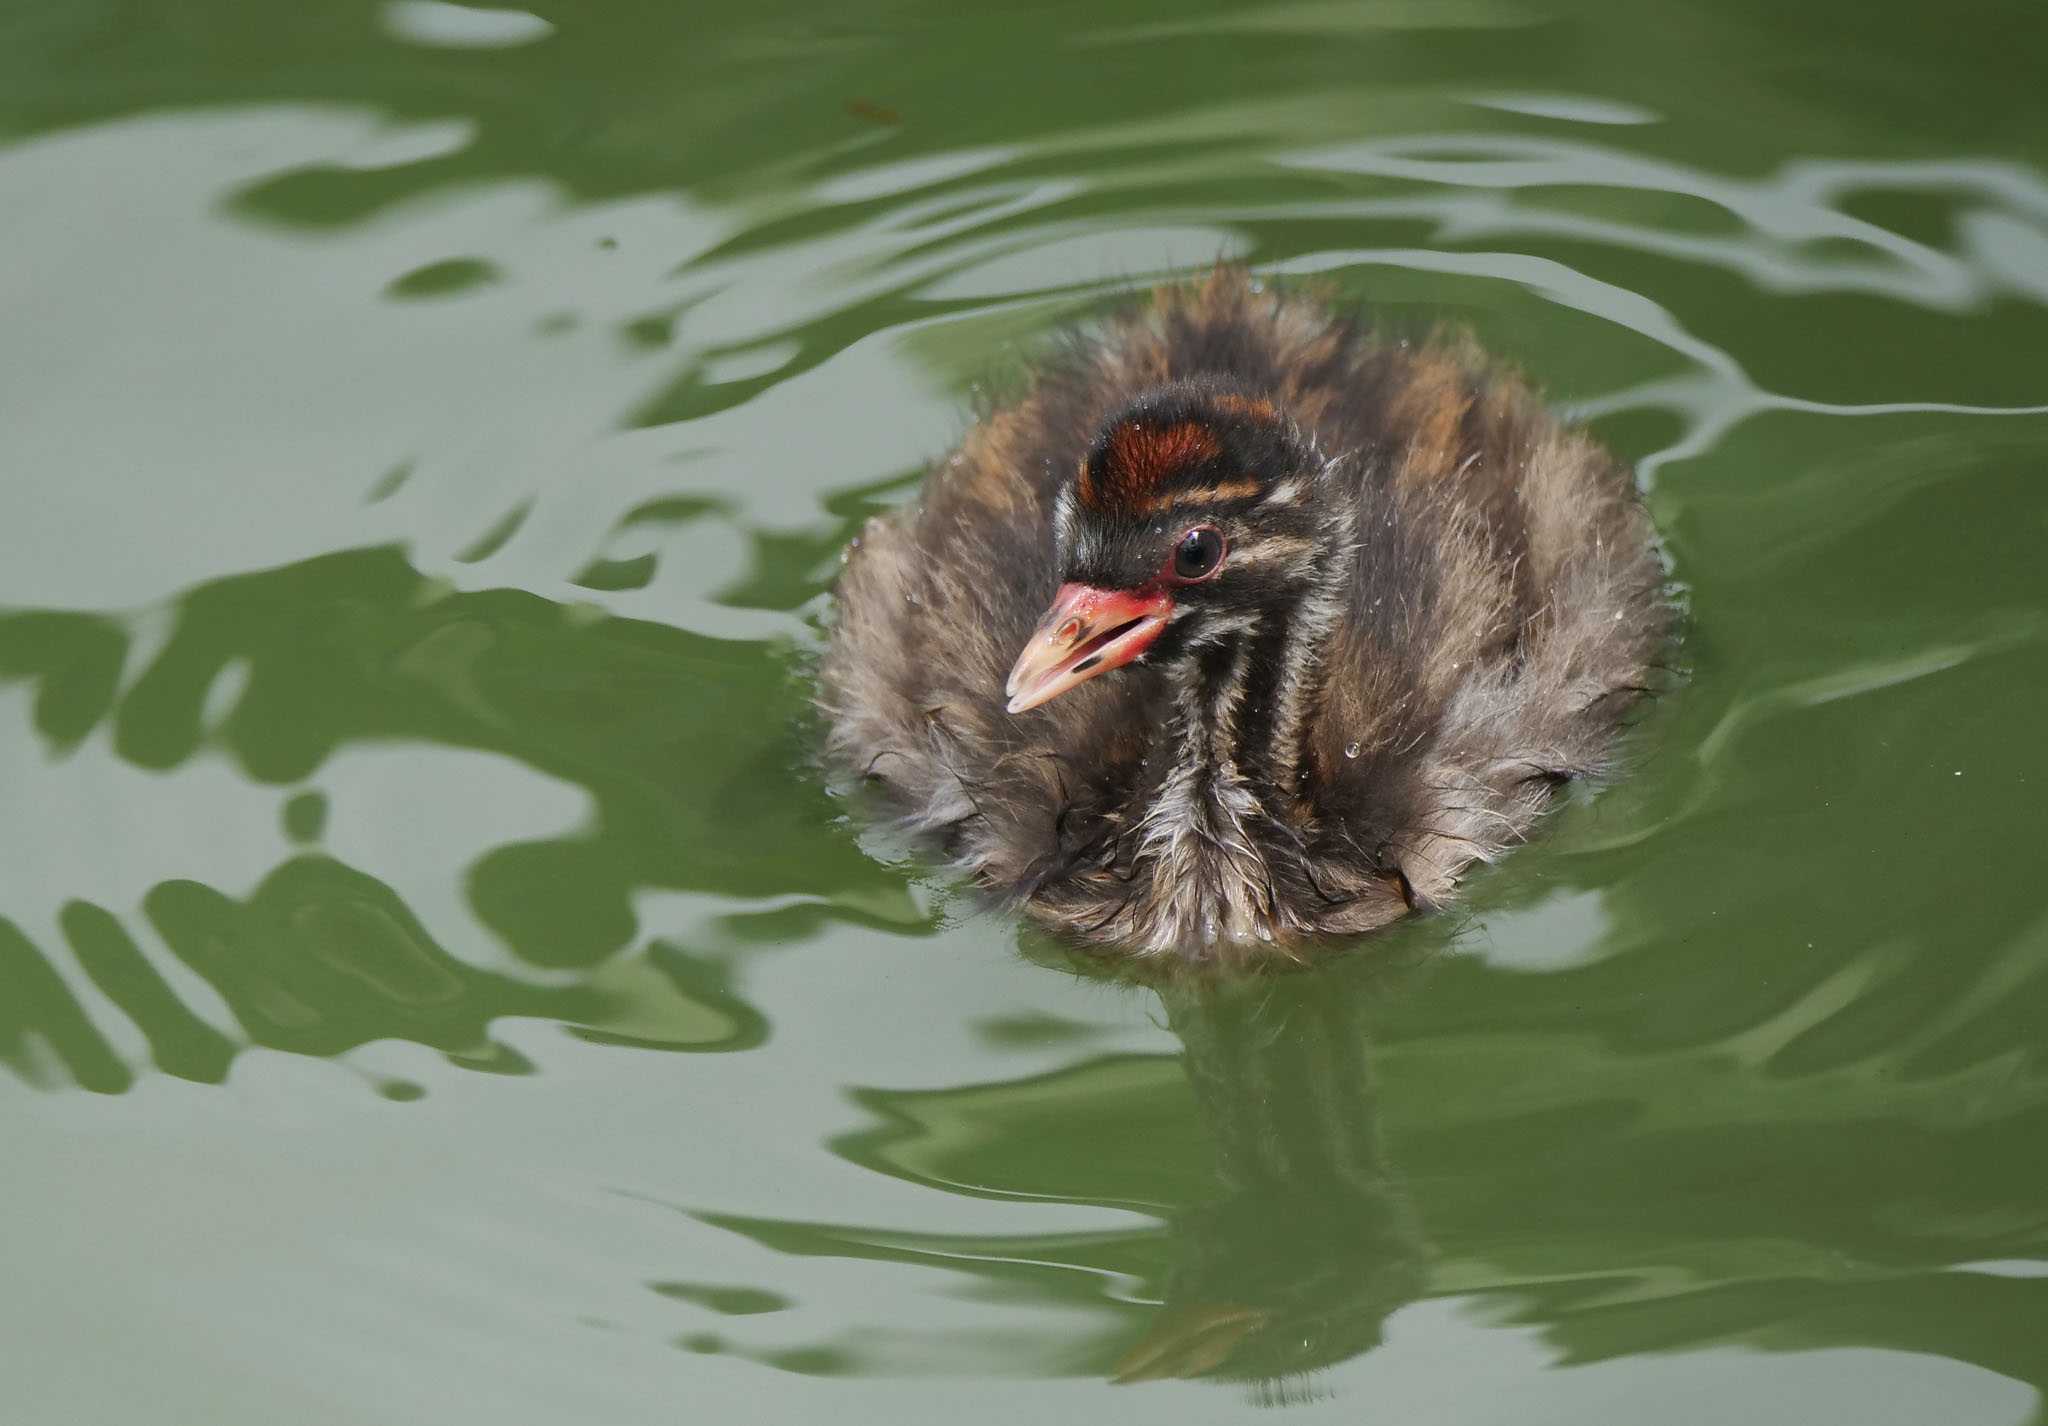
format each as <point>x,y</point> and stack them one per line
<point>1243,695</point>
<point>1244,698</point>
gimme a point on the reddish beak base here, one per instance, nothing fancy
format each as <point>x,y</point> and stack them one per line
<point>1087,631</point>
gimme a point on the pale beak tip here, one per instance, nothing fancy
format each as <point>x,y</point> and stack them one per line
<point>1087,631</point>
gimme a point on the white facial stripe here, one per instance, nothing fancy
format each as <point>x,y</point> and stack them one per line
<point>1272,550</point>
<point>1063,517</point>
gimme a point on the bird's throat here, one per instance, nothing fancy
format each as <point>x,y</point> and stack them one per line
<point>1244,702</point>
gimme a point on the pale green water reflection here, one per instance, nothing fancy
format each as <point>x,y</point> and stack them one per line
<point>434,987</point>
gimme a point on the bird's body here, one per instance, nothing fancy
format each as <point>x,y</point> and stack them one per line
<point>1329,619</point>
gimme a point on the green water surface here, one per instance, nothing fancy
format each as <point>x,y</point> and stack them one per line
<point>434,988</point>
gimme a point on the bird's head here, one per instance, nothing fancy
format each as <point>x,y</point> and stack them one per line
<point>1191,519</point>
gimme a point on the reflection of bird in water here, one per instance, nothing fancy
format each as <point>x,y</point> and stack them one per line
<point>1365,605</point>
<point>1310,1242</point>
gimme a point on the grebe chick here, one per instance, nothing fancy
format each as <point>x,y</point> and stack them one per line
<point>1241,629</point>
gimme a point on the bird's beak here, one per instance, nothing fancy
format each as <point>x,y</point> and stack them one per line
<point>1087,631</point>
<point>1188,1340</point>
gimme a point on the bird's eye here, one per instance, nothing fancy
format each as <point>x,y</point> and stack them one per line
<point>1198,555</point>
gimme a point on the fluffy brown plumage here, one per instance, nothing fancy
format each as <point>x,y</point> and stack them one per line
<point>1430,605</point>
